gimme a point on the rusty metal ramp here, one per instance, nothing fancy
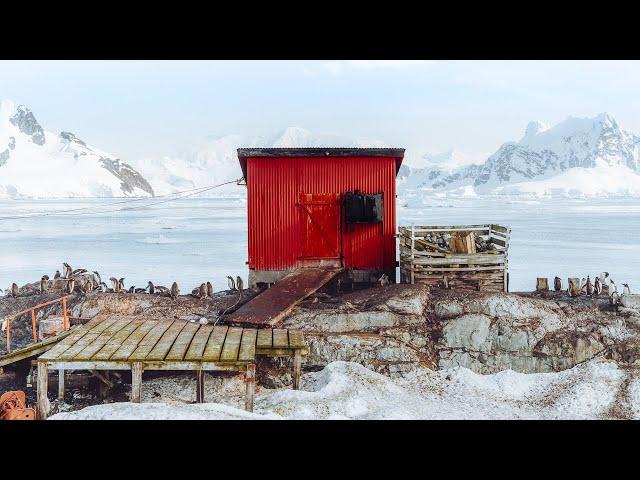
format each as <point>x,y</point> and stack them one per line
<point>272,305</point>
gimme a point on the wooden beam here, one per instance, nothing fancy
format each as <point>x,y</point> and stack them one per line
<point>43,385</point>
<point>297,368</point>
<point>200,386</point>
<point>61,384</point>
<point>249,380</point>
<point>136,382</point>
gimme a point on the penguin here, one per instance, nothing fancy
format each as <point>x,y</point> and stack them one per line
<point>239,283</point>
<point>615,287</point>
<point>196,292</point>
<point>121,283</point>
<point>175,291</point>
<point>557,284</point>
<point>151,288</point>
<point>383,280</point>
<point>603,282</point>
<point>98,277</point>
<point>88,285</point>
<point>71,285</point>
<point>79,271</point>
<point>116,284</point>
<point>14,290</point>
<point>68,271</point>
<point>203,290</point>
<point>583,285</point>
<point>57,274</point>
<point>210,289</point>
<point>140,290</point>
<point>132,289</point>
<point>160,290</point>
<point>44,284</point>
<point>102,287</point>
<point>589,286</point>
<point>597,288</point>
<point>626,290</point>
<point>614,299</point>
<point>231,283</point>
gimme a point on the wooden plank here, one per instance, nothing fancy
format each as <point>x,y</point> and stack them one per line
<point>265,338</point>
<point>182,342</point>
<point>472,259</point>
<point>33,349</point>
<point>248,345</point>
<point>250,380</point>
<point>79,345</point>
<point>131,343</point>
<point>272,305</point>
<point>214,345</point>
<point>297,369</point>
<point>61,385</point>
<point>160,348</point>
<point>42,389</point>
<point>136,382</point>
<point>280,338</point>
<point>93,348</point>
<point>296,339</point>
<point>463,269</point>
<point>199,342</point>
<point>115,342</point>
<point>160,365</point>
<point>75,334</point>
<point>231,346</point>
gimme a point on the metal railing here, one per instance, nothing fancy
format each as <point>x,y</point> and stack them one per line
<point>34,330</point>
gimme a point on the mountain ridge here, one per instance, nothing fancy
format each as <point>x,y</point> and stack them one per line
<point>36,163</point>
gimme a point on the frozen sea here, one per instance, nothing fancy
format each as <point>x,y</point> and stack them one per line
<point>195,240</point>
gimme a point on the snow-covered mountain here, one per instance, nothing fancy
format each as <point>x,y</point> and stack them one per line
<point>36,163</point>
<point>215,160</point>
<point>579,156</point>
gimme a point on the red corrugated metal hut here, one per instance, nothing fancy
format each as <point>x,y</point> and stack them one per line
<point>310,207</point>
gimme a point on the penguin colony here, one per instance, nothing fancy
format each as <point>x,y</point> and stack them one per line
<point>602,285</point>
<point>81,281</point>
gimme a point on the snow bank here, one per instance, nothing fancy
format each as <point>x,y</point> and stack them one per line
<point>344,390</point>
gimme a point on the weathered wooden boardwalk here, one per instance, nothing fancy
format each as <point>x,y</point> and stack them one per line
<point>272,305</point>
<point>131,343</point>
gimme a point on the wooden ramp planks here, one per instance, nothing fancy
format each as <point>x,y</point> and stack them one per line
<point>160,344</point>
<point>272,305</point>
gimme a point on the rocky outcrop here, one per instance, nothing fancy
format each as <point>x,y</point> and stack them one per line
<point>130,178</point>
<point>388,329</point>
<point>394,328</point>
<point>27,124</point>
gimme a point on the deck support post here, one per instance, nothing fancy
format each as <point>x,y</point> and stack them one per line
<point>61,384</point>
<point>249,380</point>
<point>43,385</point>
<point>200,386</point>
<point>136,382</point>
<point>297,367</point>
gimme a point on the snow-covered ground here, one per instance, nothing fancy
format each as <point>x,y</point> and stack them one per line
<point>346,390</point>
<point>191,241</point>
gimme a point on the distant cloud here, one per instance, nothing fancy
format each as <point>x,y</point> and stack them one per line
<point>338,66</point>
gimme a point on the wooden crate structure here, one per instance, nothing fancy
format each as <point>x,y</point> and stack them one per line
<point>424,260</point>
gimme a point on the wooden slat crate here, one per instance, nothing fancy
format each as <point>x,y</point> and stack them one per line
<point>428,255</point>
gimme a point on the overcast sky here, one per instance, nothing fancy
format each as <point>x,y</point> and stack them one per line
<point>138,109</point>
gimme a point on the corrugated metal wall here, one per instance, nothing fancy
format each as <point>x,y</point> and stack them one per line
<point>275,220</point>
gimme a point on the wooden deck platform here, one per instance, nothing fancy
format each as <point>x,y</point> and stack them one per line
<point>130,343</point>
<point>272,305</point>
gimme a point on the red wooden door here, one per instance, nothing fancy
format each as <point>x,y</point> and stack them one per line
<point>320,224</point>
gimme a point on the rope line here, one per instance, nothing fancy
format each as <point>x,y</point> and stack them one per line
<point>92,209</point>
